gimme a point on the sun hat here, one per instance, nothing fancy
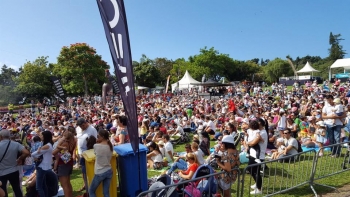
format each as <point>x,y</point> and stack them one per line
<point>228,139</point>
<point>160,142</point>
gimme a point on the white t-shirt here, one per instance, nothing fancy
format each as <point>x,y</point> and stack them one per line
<point>328,110</point>
<point>168,147</point>
<point>199,154</point>
<point>180,130</point>
<point>263,145</point>
<point>82,142</point>
<point>211,125</point>
<point>291,142</point>
<point>339,108</point>
<point>282,122</point>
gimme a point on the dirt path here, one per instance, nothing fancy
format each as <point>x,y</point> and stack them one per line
<point>344,192</point>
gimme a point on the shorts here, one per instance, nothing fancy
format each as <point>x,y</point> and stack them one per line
<point>223,185</point>
<point>339,113</point>
<point>64,170</point>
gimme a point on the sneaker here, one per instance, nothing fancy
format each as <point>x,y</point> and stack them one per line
<point>253,186</point>
<point>255,192</point>
<point>257,160</point>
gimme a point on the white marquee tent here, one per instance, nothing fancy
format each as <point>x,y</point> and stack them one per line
<point>307,69</point>
<point>184,83</point>
<point>341,63</point>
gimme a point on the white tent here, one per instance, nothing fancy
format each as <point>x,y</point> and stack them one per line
<point>184,83</point>
<point>342,63</point>
<point>307,69</point>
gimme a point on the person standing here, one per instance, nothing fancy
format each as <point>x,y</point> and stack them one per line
<point>85,131</point>
<point>333,125</point>
<point>103,170</point>
<point>8,162</point>
<point>45,166</point>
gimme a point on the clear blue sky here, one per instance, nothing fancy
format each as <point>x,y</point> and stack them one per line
<point>175,28</point>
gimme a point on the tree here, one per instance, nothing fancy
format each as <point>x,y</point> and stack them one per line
<point>275,69</point>
<point>336,51</point>
<point>146,74</point>
<point>7,76</point>
<point>164,66</point>
<point>217,63</point>
<point>81,69</point>
<point>34,80</point>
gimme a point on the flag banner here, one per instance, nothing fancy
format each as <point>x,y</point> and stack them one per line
<point>167,85</point>
<point>114,84</point>
<point>116,29</point>
<point>57,83</point>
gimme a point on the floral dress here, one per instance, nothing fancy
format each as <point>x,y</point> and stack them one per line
<point>227,178</point>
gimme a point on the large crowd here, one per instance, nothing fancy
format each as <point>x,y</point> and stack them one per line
<point>268,122</point>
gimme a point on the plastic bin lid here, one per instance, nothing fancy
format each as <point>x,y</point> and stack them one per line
<point>126,149</point>
<point>89,155</point>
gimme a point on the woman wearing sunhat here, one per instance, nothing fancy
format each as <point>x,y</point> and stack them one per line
<point>228,160</point>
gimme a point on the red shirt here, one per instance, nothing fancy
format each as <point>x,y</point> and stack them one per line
<point>193,167</point>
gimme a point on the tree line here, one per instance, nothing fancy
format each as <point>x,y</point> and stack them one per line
<point>81,70</point>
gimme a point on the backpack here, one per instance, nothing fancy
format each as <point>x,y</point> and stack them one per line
<point>192,190</point>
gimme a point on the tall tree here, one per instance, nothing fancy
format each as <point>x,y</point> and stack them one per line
<point>216,62</point>
<point>164,66</point>
<point>7,76</point>
<point>146,74</point>
<point>336,51</point>
<point>81,69</point>
<point>34,80</point>
<point>275,69</point>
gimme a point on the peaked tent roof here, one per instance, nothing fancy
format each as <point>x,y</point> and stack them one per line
<point>307,69</point>
<point>187,79</point>
<point>341,63</point>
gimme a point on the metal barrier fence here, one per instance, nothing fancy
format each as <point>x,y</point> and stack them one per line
<point>166,191</point>
<point>282,175</point>
<point>331,165</point>
<point>279,176</point>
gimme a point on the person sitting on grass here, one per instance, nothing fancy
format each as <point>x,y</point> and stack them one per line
<point>180,162</point>
<point>192,167</point>
<point>154,158</point>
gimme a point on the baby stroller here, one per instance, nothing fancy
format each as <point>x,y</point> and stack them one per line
<point>206,186</point>
<point>162,181</point>
<point>184,138</point>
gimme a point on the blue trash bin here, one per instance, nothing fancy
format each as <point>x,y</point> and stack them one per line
<point>128,166</point>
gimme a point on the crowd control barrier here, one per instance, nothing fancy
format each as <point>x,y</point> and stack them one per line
<point>328,165</point>
<point>284,174</point>
<point>292,172</point>
<point>167,190</point>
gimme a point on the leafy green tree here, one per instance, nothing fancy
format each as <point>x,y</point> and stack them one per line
<point>34,80</point>
<point>164,66</point>
<point>336,51</point>
<point>275,69</point>
<point>146,74</point>
<point>81,69</point>
<point>216,62</point>
<point>7,76</point>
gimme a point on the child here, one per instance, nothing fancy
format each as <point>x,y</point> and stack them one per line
<point>338,109</point>
<point>280,149</point>
<point>36,144</point>
<point>320,136</point>
<point>256,147</point>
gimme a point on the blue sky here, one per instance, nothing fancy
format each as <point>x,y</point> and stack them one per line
<point>174,29</point>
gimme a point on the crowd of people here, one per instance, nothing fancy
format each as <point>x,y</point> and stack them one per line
<point>261,119</point>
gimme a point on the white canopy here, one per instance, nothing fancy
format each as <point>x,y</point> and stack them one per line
<point>184,83</point>
<point>341,63</point>
<point>307,69</point>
